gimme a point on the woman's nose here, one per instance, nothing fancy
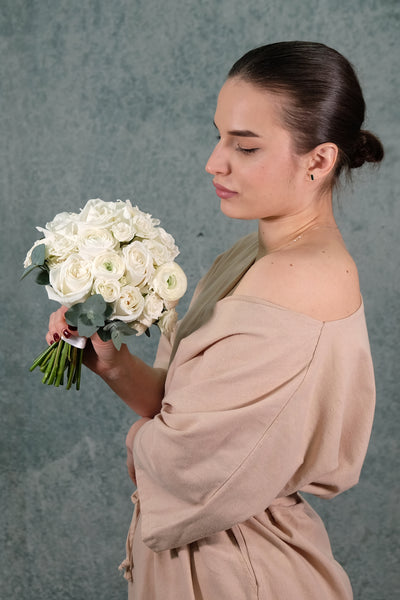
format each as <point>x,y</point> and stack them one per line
<point>217,163</point>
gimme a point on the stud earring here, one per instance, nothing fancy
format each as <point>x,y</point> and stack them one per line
<point>312,177</point>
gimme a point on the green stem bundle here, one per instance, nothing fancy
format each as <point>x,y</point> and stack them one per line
<point>55,360</point>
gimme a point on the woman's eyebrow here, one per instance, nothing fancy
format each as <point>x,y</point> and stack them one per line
<point>241,132</point>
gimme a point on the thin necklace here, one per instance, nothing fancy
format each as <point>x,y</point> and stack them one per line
<point>300,235</point>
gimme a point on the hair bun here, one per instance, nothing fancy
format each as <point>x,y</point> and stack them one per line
<point>368,148</point>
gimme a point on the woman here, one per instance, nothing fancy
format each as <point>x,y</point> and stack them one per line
<point>267,389</point>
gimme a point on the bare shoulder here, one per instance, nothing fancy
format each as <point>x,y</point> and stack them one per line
<point>317,279</point>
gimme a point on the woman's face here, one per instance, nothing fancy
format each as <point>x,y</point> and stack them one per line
<point>257,174</point>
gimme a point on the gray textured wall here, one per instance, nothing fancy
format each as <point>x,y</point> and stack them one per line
<point>115,99</point>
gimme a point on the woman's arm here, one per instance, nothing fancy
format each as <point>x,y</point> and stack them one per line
<point>140,386</point>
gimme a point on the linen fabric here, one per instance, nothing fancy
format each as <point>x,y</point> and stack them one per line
<point>261,402</point>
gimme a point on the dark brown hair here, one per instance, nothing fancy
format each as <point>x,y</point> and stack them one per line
<point>323,98</point>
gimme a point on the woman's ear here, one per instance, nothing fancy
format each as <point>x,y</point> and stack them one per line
<point>322,161</point>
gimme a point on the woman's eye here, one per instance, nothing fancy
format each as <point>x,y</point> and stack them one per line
<point>246,150</point>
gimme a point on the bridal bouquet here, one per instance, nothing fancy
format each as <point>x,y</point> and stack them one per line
<point>113,266</point>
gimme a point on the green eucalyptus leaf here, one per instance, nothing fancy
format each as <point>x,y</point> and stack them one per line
<point>72,314</point>
<point>117,338</point>
<point>122,327</point>
<point>42,278</point>
<point>117,331</point>
<point>86,330</point>
<point>28,270</point>
<point>38,255</point>
<point>104,334</point>
<point>108,311</point>
<point>89,322</point>
<point>95,305</point>
<point>94,311</point>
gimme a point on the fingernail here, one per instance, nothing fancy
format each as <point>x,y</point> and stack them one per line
<point>56,337</point>
<point>66,333</point>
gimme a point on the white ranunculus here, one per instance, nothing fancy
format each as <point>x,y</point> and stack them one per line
<point>95,241</point>
<point>129,305</point>
<point>123,231</point>
<point>153,307</point>
<point>71,282</point>
<point>108,265</point>
<point>169,282</point>
<point>110,289</point>
<point>139,263</point>
<point>168,321</point>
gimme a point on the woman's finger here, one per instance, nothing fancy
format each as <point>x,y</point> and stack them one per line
<point>59,327</point>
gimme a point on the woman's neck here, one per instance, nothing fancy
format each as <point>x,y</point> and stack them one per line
<point>281,232</point>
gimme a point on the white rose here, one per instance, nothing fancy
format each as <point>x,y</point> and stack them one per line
<point>168,321</point>
<point>170,303</point>
<point>139,263</point>
<point>160,253</point>
<point>144,225</point>
<point>94,241</point>
<point>108,265</point>
<point>123,231</point>
<point>169,282</point>
<point>138,327</point>
<point>110,289</point>
<point>97,214</point>
<point>71,282</point>
<point>153,307</point>
<point>128,211</point>
<point>167,240</point>
<point>129,305</point>
<point>64,223</point>
<point>58,248</point>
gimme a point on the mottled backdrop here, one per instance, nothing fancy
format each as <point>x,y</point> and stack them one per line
<point>115,99</point>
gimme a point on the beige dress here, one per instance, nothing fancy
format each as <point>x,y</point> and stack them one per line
<point>260,403</point>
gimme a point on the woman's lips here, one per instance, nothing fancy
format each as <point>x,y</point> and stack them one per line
<point>223,192</point>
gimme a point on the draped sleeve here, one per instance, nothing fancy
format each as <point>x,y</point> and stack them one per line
<point>252,412</point>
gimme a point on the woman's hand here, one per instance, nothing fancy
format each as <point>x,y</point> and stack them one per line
<point>101,357</point>
<point>129,446</point>
<point>58,326</point>
<point>140,386</point>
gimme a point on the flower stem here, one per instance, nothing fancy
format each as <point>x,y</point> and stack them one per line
<point>61,365</point>
<point>53,372</point>
<point>57,359</point>
<point>79,369</point>
<point>41,358</point>
<point>49,364</point>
